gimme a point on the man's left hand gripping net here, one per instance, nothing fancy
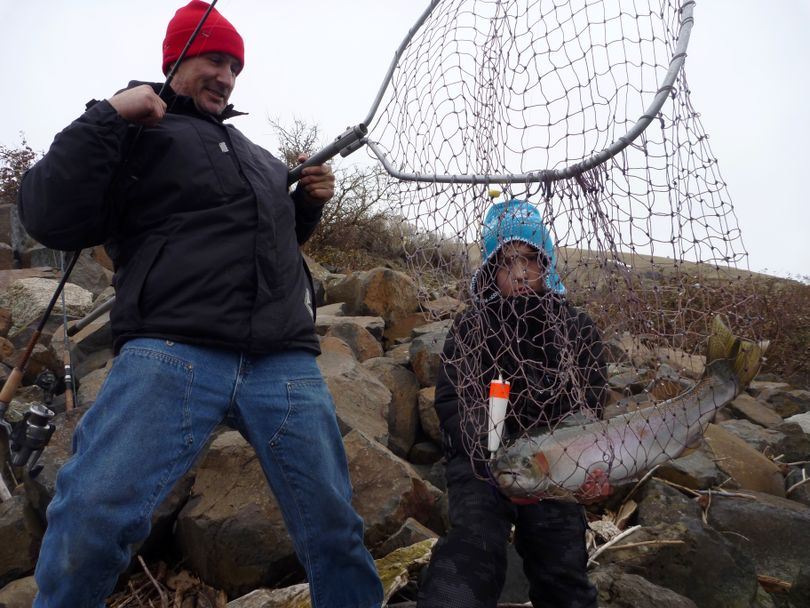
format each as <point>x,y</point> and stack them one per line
<point>549,101</point>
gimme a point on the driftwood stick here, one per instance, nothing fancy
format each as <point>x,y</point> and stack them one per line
<point>649,543</point>
<point>804,480</point>
<point>164,601</point>
<point>611,542</point>
<point>715,492</point>
<point>640,482</point>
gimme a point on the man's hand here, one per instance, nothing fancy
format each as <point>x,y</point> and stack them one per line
<point>139,105</point>
<point>318,183</point>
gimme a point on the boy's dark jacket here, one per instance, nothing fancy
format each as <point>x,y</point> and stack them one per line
<point>550,352</point>
<point>197,220</point>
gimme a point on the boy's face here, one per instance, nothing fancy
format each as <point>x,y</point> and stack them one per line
<point>520,270</point>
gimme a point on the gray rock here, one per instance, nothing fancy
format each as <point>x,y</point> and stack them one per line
<point>409,533</point>
<point>363,344</point>
<point>428,417</point>
<point>774,531</point>
<point>756,411</point>
<point>387,490</point>
<point>19,593</point>
<point>231,531</point>
<point>403,414</point>
<point>21,535</point>
<point>362,402</point>
<point>684,555</point>
<point>425,356</point>
<point>696,469</point>
<point>787,441</point>
<point>374,325</point>
<point>288,597</point>
<point>28,298</point>
<point>400,354</point>
<point>786,403</point>
<point>803,420</point>
<point>620,590</point>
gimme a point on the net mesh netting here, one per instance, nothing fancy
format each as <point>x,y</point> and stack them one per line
<point>646,243</point>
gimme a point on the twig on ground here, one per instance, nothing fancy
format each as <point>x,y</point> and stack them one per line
<point>640,482</point>
<point>610,543</point>
<point>164,601</point>
<point>716,492</point>
<point>648,543</point>
<point>804,480</point>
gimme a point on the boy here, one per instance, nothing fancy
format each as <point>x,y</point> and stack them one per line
<point>519,326</point>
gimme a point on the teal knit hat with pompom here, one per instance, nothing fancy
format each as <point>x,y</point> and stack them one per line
<point>517,220</point>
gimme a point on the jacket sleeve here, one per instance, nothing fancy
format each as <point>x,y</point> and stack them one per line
<point>63,198</point>
<point>307,217</point>
<point>446,401</point>
<point>591,364</point>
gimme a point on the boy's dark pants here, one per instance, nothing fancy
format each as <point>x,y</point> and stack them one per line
<point>468,568</point>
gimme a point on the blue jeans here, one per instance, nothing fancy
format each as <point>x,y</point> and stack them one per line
<point>148,425</point>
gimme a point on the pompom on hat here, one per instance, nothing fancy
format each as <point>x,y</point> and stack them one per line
<point>216,36</point>
<point>517,220</point>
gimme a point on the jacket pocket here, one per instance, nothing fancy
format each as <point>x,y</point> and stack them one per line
<point>129,280</point>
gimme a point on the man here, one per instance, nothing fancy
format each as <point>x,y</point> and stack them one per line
<point>213,320</point>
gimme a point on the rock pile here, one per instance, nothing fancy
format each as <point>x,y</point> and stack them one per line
<point>726,525</point>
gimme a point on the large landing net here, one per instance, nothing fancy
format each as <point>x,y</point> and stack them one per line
<point>582,108</point>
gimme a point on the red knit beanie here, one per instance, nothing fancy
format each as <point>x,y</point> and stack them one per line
<point>216,36</point>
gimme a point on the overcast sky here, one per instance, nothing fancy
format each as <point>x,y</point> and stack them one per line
<point>323,61</point>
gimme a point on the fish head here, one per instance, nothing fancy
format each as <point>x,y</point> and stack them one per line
<point>521,471</point>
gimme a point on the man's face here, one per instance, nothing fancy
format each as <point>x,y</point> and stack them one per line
<point>208,79</point>
<point>520,270</point>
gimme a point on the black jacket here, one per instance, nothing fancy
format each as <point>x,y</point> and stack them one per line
<point>197,220</point>
<point>550,352</point>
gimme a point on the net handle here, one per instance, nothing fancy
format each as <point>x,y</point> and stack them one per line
<point>355,137</point>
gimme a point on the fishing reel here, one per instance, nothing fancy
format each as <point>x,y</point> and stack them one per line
<point>28,437</point>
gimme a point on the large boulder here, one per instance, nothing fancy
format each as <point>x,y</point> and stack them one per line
<point>387,490</point>
<point>676,550</point>
<point>425,352</point>
<point>773,530</point>
<point>381,292</point>
<point>620,590</point>
<point>19,593</point>
<point>21,536</point>
<point>231,531</point>
<point>403,414</point>
<point>362,343</point>
<point>361,400</point>
<point>28,298</point>
<point>747,468</point>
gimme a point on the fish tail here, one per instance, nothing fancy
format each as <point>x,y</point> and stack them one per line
<point>744,357</point>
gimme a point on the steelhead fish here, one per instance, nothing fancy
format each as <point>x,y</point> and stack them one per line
<point>580,462</point>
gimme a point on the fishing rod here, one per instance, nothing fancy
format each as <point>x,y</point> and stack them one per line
<point>27,438</point>
<point>70,386</point>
